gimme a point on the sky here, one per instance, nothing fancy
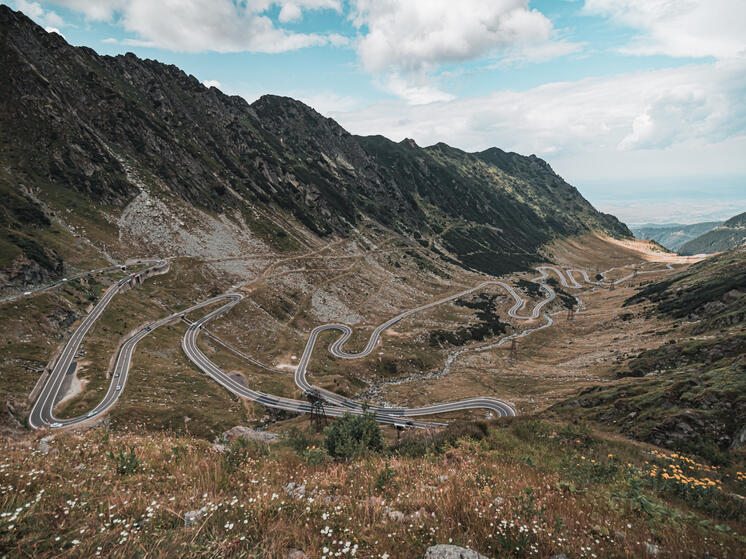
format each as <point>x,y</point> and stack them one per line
<point>641,104</point>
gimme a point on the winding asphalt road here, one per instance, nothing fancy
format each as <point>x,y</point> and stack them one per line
<point>58,283</point>
<point>42,413</point>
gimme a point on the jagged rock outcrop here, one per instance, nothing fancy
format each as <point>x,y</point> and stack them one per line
<point>90,133</point>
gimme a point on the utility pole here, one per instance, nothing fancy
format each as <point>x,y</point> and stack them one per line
<point>318,415</point>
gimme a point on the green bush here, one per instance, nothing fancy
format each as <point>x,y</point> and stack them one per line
<point>298,440</point>
<point>126,462</point>
<point>240,451</point>
<point>581,433</point>
<point>353,436</point>
<point>316,455</point>
<point>384,477</point>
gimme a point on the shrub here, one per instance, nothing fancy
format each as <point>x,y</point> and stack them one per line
<point>353,436</point>
<point>298,440</point>
<point>316,455</point>
<point>126,462</point>
<point>384,477</point>
<point>581,433</point>
<point>240,451</point>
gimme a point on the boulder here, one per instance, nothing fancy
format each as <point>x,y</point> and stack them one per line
<point>443,551</point>
<point>44,446</point>
<point>294,554</point>
<point>192,517</point>
<point>295,490</point>
<point>739,439</point>
<point>241,431</point>
<point>395,515</point>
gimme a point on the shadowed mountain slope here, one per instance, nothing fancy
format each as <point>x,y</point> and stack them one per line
<point>83,135</point>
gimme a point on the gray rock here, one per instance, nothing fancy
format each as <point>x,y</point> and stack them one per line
<point>442,478</point>
<point>295,490</point>
<point>241,431</point>
<point>740,438</point>
<point>395,515</point>
<point>221,448</point>
<point>443,551</point>
<point>558,556</point>
<point>498,501</point>
<point>652,549</point>
<point>192,517</point>
<point>294,554</point>
<point>44,446</point>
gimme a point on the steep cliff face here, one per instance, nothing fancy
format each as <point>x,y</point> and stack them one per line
<point>493,210</point>
<point>87,134</point>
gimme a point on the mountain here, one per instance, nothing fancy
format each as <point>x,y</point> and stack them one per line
<point>687,394</point>
<point>673,235</point>
<point>110,155</point>
<point>729,235</point>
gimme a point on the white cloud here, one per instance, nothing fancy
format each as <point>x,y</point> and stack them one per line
<point>31,9</point>
<point>421,34</point>
<point>597,126</point>
<point>54,30</point>
<point>50,20</point>
<point>416,90</point>
<point>293,10</point>
<point>326,102</point>
<point>290,12</point>
<point>208,25</point>
<point>212,83</point>
<point>405,42</point>
<point>681,28</point>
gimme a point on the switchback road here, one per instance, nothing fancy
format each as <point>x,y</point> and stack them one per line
<point>42,413</point>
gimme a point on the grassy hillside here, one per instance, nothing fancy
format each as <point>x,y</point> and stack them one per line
<point>729,235</point>
<point>689,394</point>
<point>524,488</point>
<point>674,235</point>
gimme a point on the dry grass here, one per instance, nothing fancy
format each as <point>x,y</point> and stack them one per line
<point>527,489</point>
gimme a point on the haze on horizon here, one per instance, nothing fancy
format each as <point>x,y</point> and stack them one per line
<point>641,105</point>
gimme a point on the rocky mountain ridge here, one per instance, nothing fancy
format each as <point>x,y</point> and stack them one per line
<point>83,135</point>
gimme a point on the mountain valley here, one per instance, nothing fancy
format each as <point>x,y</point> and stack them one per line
<point>236,329</point>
